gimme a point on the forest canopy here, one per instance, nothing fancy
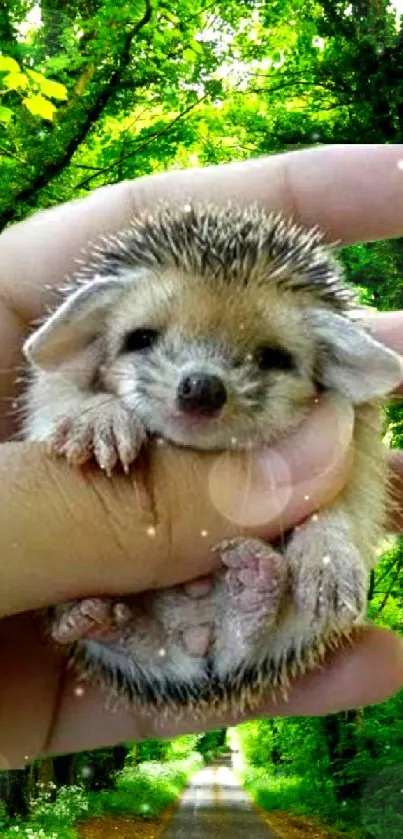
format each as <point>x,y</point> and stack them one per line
<point>93,92</point>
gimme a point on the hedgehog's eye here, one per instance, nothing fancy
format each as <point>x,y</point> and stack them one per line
<point>139,339</point>
<point>274,358</point>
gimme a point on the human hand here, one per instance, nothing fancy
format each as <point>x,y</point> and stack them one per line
<point>67,534</point>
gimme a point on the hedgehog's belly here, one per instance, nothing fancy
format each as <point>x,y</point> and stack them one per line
<point>179,681</point>
<point>258,635</point>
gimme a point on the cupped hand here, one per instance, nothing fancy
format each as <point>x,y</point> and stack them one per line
<point>68,534</point>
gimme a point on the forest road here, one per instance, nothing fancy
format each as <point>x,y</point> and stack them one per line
<point>214,806</point>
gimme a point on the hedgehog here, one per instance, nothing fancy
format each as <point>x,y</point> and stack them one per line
<point>215,327</point>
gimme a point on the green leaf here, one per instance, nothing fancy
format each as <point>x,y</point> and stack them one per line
<point>5,114</point>
<point>188,53</point>
<point>8,65</point>
<point>47,86</point>
<point>196,46</point>
<point>39,106</point>
<point>54,89</point>
<point>15,80</point>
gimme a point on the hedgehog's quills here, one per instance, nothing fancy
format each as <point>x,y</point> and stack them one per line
<point>213,328</point>
<point>244,690</point>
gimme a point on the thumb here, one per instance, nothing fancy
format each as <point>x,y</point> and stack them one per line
<point>68,533</point>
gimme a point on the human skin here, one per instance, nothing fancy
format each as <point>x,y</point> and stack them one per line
<point>67,533</point>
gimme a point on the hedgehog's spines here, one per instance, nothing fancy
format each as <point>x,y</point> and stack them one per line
<point>244,690</point>
<point>226,242</point>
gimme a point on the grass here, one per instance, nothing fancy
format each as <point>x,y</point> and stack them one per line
<point>294,793</point>
<point>145,790</point>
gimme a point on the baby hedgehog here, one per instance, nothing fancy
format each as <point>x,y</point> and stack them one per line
<point>211,327</point>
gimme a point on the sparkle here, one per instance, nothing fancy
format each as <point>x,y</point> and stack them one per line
<point>400,164</point>
<point>79,690</point>
<point>316,401</point>
<point>234,441</point>
<point>14,405</point>
<point>162,652</point>
<point>315,517</point>
<point>326,560</point>
<point>151,531</point>
<point>249,356</point>
<point>187,208</point>
<point>160,441</point>
<point>306,497</point>
<point>380,50</point>
<point>204,533</point>
<point>241,327</point>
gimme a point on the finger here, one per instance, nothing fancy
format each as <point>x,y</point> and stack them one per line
<point>30,674</point>
<point>80,719</point>
<point>352,191</point>
<point>396,491</point>
<point>387,327</point>
<point>68,533</point>
<point>346,681</point>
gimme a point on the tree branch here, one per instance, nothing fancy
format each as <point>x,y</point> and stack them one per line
<point>142,145</point>
<point>388,592</point>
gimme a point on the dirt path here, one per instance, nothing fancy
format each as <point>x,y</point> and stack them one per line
<point>214,805</point>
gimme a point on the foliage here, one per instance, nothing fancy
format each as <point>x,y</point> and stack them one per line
<point>142,790</point>
<point>52,814</point>
<point>146,789</point>
<point>345,768</point>
<point>97,769</point>
<point>208,745</point>
<point>36,91</point>
<point>68,805</point>
<point>33,831</point>
<point>151,87</point>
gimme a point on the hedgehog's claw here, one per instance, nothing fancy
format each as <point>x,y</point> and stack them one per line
<point>103,429</point>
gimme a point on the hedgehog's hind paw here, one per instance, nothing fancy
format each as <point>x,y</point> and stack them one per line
<point>92,618</point>
<point>253,586</point>
<point>255,575</point>
<point>328,576</point>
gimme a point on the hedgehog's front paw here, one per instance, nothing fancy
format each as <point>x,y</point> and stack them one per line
<point>253,585</point>
<point>92,618</point>
<point>103,428</point>
<point>328,577</point>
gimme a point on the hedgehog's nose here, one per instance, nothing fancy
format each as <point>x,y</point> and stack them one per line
<point>201,393</point>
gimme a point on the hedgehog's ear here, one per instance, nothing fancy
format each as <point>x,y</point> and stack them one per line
<point>351,361</point>
<point>74,325</point>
